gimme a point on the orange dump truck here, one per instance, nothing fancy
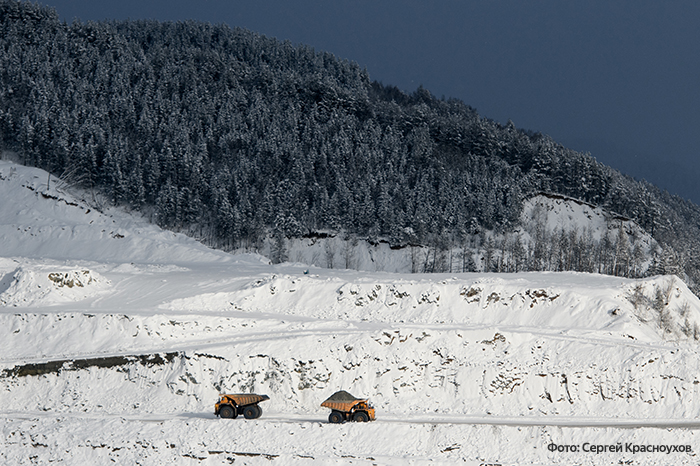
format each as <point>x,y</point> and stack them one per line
<point>230,406</point>
<point>346,407</point>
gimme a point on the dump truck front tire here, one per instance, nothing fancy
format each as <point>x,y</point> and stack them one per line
<point>336,417</point>
<point>227,412</point>
<point>360,416</point>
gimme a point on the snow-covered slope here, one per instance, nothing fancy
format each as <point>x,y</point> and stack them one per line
<point>557,213</point>
<point>51,224</point>
<point>116,337</point>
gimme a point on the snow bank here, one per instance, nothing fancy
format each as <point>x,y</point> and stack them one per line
<point>48,286</point>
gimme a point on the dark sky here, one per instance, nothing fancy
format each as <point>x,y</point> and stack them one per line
<point>618,79</point>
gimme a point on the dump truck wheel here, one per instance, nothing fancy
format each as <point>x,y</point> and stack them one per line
<point>259,410</point>
<point>227,412</point>
<point>360,416</point>
<point>250,412</point>
<point>336,417</point>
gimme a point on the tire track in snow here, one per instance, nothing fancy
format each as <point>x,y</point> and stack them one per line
<point>347,328</point>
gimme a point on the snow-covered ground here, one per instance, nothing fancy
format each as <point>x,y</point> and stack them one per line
<point>116,338</point>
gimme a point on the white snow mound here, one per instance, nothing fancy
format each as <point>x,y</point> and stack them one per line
<point>47,286</point>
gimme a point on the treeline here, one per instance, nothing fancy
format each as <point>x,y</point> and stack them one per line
<point>619,248</point>
<point>615,253</point>
<point>236,137</point>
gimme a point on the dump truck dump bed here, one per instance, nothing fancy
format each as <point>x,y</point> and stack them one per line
<point>342,401</point>
<point>343,406</point>
<point>243,399</point>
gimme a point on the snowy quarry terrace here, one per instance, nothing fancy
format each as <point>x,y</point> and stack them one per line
<point>116,338</point>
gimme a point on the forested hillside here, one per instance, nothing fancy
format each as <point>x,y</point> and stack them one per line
<point>236,138</point>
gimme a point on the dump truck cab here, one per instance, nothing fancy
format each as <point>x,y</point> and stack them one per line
<point>231,405</point>
<point>345,407</point>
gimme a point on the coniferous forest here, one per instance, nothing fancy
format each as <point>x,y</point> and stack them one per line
<point>234,137</point>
